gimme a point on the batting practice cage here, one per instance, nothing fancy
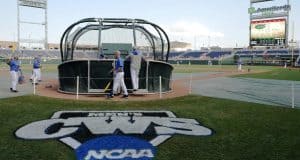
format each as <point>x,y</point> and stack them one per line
<point>87,54</point>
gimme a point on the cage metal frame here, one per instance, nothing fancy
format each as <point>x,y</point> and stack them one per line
<point>69,39</point>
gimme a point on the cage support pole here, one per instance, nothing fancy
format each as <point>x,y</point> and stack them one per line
<point>134,33</point>
<point>160,87</point>
<point>99,37</point>
<point>293,95</point>
<point>191,79</point>
<point>77,87</point>
<point>34,81</point>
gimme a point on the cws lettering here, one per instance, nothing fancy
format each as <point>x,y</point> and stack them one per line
<point>154,127</point>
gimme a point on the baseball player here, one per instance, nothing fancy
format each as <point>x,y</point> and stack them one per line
<point>118,76</point>
<point>135,65</point>
<point>36,74</point>
<point>14,69</point>
<point>240,64</point>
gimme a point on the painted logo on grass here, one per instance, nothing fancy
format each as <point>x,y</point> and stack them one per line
<point>116,147</point>
<point>112,135</point>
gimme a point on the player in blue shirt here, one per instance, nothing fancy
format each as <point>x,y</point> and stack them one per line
<point>118,76</point>
<point>14,69</point>
<point>36,73</point>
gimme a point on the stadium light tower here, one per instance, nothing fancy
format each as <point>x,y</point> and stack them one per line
<point>33,4</point>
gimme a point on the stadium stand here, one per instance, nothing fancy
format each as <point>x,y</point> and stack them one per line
<point>175,54</point>
<point>248,52</point>
<point>5,52</point>
<point>275,54</point>
<point>30,53</point>
<point>217,54</point>
<point>278,52</point>
<point>297,52</point>
<point>192,54</point>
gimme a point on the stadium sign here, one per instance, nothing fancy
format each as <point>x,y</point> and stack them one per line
<point>34,3</point>
<point>112,135</point>
<point>258,1</point>
<point>269,10</point>
<point>268,32</point>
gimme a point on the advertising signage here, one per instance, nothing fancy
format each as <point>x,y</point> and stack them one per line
<point>268,32</point>
<point>33,3</point>
<point>254,10</point>
<point>258,1</point>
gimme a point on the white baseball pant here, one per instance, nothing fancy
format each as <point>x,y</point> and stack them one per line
<point>14,79</point>
<point>239,67</point>
<point>134,78</point>
<point>36,75</point>
<point>119,81</point>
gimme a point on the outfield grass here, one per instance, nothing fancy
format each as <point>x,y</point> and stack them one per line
<point>243,131</point>
<point>217,68</point>
<point>277,73</point>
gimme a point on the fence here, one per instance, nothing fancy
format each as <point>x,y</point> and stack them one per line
<point>93,85</point>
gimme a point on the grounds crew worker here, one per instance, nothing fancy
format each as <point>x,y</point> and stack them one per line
<point>135,65</point>
<point>36,75</point>
<point>118,76</point>
<point>14,69</point>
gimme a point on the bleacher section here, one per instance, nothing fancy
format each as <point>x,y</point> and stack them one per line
<point>248,52</point>
<point>192,54</point>
<point>278,54</point>
<point>53,54</point>
<point>218,54</point>
<point>297,52</point>
<point>269,52</point>
<point>5,52</point>
<point>175,54</point>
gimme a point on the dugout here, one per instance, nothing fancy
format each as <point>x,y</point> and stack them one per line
<point>87,48</point>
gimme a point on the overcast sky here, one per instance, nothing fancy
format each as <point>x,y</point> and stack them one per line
<point>214,22</point>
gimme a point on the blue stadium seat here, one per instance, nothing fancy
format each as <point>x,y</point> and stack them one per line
<point>192,54</point>
<point>217,54</point>
<point>175,54</point>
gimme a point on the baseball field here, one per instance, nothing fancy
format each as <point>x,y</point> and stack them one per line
<point>242,130</point>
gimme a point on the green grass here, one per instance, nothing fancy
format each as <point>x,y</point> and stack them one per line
<point>217,68</point>
<point>278,74</point>
<point>243,131</point>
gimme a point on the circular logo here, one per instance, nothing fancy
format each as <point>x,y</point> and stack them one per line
<point>116,148</point>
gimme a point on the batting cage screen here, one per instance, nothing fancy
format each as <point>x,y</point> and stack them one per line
<point>87,53</point>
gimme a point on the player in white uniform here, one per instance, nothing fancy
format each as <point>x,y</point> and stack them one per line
<point>118,76</point>
<point>14,69</point>
<point>240,64</point>
<point>36,75</point>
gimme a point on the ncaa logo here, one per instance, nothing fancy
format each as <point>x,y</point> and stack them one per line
<point>112,135</point>
<point>116,147</point>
